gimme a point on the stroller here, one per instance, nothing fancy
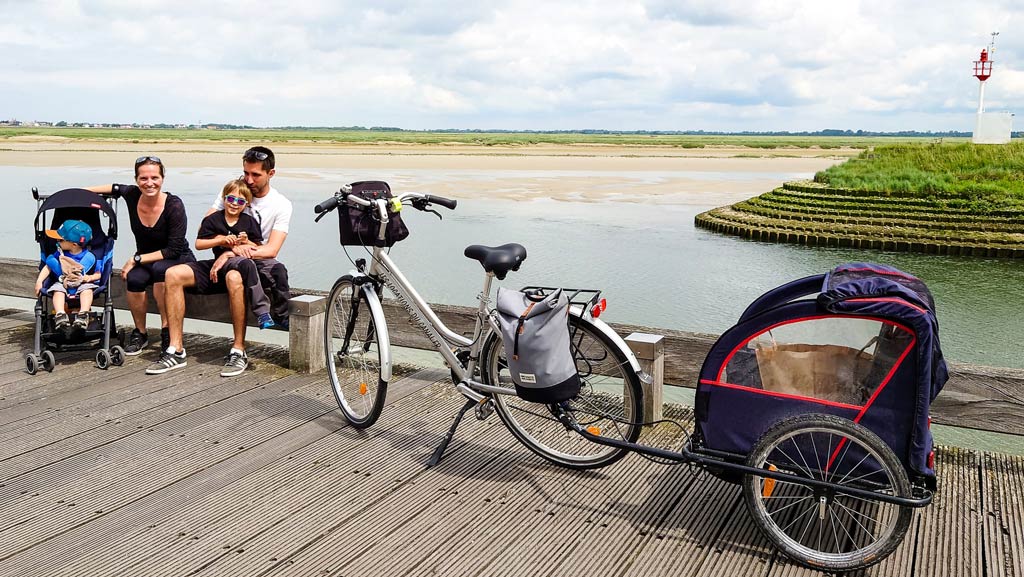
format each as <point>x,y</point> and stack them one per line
<point>86,206</point>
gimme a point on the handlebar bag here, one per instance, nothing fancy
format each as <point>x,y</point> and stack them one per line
<point>360,226</point>
<point>535,334</point>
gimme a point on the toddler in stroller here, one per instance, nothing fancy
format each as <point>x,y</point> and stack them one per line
<point>75,255</point>
<point>73,266</point>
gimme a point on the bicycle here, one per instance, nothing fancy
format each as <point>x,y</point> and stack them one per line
<point>819,482</point>
<point>359,361</point>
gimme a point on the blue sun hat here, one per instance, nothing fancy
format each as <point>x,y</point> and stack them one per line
<point>72,231</point>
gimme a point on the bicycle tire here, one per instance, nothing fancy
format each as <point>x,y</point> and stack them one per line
<point>822,529</point>
<point>354,370</point>
<point>600,406</point>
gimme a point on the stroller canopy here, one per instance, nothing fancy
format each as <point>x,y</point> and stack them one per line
<point>64,203</point>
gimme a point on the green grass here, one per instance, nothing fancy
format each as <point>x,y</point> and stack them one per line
<point>980,178</point>
<point>474,138</point>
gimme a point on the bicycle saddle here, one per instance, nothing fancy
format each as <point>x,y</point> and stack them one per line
<point>498,259</point>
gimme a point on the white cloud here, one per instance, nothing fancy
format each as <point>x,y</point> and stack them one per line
<point>654,64</point>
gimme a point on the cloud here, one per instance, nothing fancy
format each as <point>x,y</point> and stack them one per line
<point>641,64</point>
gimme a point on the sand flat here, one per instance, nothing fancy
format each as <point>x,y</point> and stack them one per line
<point>579,173</point>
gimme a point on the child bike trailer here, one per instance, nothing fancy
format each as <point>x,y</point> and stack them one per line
<point>829,378</point>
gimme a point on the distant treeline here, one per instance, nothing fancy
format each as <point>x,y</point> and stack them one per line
<point>834,132</point>
<point>826,132</point>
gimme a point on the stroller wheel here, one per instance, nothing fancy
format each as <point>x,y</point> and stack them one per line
<point>103,359</point>
<point>31,363</point>
<point>117,355</point>
<point>48,361</point>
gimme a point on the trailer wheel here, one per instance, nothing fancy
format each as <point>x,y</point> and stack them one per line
<point>822,528</point>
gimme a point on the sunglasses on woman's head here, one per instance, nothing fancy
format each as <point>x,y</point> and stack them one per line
<point>143,159</point>
<point>235,200</point>
<point>254,156</point>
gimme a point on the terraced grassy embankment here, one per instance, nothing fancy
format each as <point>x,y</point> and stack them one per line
<point>980,211</point>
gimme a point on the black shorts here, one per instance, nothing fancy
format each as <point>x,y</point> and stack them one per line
<point>205,286</point>
<point>145,274</point>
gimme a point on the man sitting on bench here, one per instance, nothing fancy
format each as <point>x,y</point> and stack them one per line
<point>272,211</point>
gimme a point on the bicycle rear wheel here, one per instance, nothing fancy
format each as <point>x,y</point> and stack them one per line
<point>353,354</point>
<point>821,528</point>
<point>608,404</point>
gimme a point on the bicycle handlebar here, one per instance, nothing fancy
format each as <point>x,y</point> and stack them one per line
<point>417,200</point>
<point>327,205</point>
<point>445,202</point>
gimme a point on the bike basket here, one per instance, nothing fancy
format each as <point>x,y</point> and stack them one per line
<point>535,335</point>
<point>360,226</point>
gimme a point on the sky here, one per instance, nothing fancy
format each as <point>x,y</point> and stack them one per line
<point>716,65</point>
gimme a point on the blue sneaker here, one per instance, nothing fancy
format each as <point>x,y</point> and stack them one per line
<point>265,321</point>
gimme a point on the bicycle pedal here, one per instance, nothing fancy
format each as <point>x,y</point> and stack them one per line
<point>483,409</point>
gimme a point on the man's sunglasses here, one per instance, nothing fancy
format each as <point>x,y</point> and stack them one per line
<point>144,159</point>
<point>235,200</point>
<point>254,156</point>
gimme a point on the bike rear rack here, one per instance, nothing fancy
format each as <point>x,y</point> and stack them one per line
<point>585,298</point>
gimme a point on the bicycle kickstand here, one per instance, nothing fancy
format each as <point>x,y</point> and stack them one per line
<point>436,457</point>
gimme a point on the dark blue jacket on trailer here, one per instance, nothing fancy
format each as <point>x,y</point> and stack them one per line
<point>865,348</point>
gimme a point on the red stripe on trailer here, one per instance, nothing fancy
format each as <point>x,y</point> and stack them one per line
<point>877,271</point>
<point>780,395</point>
<point>725,363</point>
<point>874,396</point>
<point>887,300</point>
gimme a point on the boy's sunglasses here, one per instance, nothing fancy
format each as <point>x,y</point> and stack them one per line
<point>254,156</point>
<point>235,200</point>
<point>143,159</point>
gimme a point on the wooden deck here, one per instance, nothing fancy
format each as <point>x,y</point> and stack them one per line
<point>118,473</point>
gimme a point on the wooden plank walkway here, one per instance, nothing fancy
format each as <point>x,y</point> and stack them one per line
<point>118,473</point>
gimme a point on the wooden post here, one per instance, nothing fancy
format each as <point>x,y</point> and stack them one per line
<point>306,333</point>
<point>650,351</point>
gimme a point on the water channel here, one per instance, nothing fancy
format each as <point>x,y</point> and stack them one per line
<point>654,266</point>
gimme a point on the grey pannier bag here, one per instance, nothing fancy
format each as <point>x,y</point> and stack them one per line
<point>535,333</point>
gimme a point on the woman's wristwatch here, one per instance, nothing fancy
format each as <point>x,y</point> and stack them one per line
<point>137,259</point>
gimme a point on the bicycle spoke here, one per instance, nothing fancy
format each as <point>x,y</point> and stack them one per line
<point>855,520</point>
<point>785,507</point>
<point>608,402</point>
<point>353,354</point>
<point>820,528</point>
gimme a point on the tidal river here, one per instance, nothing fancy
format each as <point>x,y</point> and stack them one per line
<point>654,266</point>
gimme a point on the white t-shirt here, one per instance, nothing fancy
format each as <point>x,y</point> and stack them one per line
<point>273,211</point>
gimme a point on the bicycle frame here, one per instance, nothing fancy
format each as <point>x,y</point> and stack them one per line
<point>384,270</point>
<point>390,275</point>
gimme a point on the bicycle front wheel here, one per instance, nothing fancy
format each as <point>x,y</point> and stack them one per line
<point>353,354</point>
<point>822,528</point>
<point>608,404</point>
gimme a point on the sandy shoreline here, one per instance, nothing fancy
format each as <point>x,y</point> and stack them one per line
<point>718,175</point>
